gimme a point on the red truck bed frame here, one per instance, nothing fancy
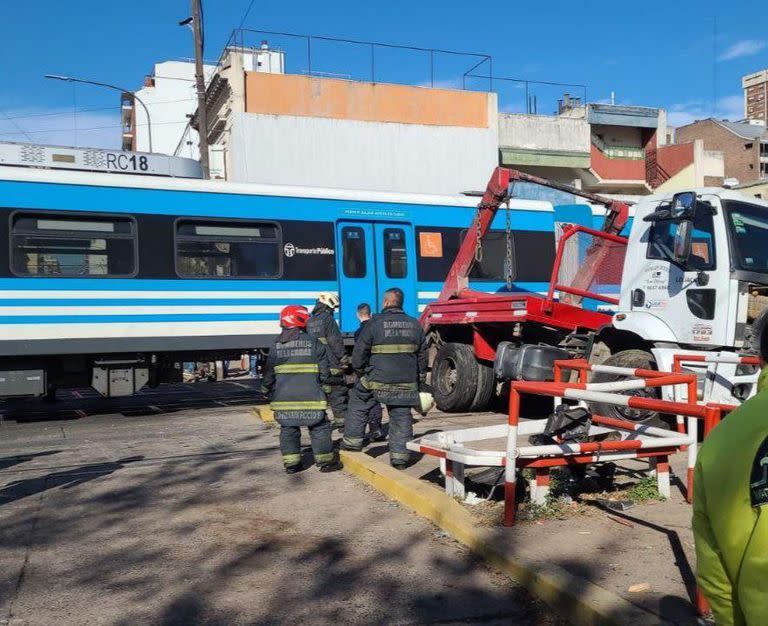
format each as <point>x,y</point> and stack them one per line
<point>459,305</point>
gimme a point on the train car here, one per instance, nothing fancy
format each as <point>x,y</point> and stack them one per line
<point>113,280</point>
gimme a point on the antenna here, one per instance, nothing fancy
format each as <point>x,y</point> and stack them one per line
<point>714,65</point>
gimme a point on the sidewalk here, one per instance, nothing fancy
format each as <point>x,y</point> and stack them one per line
<point>653,550</point>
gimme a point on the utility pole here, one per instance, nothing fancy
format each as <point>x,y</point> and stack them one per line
<point>202,117</point>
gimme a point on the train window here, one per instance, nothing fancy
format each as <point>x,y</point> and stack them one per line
<point>57,244</point>
<point>395,258</point>
<point>353,247</point>
<point>492,265</point>
<point>213,249</point>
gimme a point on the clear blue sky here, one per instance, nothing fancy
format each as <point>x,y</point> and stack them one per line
<point>650,53</point>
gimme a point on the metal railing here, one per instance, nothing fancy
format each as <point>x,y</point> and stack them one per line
<point>242,38</point>
<point>529,88</point>
<point>441,68</point>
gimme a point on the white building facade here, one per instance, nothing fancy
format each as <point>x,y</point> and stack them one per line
<point>170,96</point>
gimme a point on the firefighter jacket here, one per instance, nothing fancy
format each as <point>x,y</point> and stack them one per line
<point>390,356</point>
<point>730,515</point>
<point>323,326</point>
<point>294,375</point>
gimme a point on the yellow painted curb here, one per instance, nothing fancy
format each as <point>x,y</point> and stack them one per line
<point>264,413</point>
<point>578,600</point>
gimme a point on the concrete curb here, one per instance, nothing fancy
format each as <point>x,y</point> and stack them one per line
<point>264,413</point>
<point>576,599</point>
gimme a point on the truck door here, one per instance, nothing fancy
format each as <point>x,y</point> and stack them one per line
<point>372,258</point>
<point>692,302</point>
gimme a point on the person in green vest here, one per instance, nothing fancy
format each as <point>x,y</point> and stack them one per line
<point>730,511</point>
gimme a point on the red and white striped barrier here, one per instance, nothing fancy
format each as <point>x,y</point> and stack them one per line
<point>721,376</point>
<point>638,441</point>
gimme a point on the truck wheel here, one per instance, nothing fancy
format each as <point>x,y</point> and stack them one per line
<point>454,377</point>
<point>634,359</point>
<point>755,332</point>
<point>485,387</point>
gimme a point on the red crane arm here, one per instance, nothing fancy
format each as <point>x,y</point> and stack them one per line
<point>496,193</point>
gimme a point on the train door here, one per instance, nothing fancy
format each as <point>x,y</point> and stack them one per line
<point>372,258</point>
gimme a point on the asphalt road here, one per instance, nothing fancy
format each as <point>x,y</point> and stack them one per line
<point>172,508</point>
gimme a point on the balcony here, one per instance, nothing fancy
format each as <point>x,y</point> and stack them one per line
<point>617,168</point>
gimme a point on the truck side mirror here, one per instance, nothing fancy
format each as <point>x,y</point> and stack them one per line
<point>683,205</point>
<point>682,246</point>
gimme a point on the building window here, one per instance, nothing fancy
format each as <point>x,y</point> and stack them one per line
<point>63,244</point>
<point>395,257</point>
<point>222,249</point>
<point>353,252</point>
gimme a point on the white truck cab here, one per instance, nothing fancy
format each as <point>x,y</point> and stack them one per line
<point>695,279</point>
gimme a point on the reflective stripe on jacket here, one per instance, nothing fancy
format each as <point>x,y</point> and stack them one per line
<point>730,515</point>
<point>296,369</point>
<point>390,356</point>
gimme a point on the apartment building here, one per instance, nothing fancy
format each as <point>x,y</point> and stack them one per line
<point>744,146</point>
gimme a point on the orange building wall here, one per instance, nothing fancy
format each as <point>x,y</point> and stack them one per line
<point>288,94</point>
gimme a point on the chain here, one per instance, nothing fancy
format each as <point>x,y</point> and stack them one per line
<point>508,244</point>
<point>478,238</point>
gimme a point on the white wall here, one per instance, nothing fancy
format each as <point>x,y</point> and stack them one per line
<point>538,132</point>
<point>169,102</point>
<point>360,155</point>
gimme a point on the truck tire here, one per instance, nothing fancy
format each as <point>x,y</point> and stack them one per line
<point>485,387</point>
<point>755,332</point>
<point>454,377</point>
<point>634,359</point>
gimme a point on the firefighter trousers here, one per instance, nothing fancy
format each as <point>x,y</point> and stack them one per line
<point>319,436</point>
<point>361,403</point>
<point>337,398</point>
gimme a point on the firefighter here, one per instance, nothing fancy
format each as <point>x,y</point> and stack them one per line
<point>323,326</point>
<point>375,431</point>
<point>730,511</point>
<point>390,358</point>
<point>294,373</point>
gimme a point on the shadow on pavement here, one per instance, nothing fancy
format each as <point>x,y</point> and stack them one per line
<point>65,479</point>
<point>10,461</point>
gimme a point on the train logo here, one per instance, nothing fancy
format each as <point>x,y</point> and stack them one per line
<point>289,249</point>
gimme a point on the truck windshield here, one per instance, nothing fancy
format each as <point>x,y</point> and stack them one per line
<point>748,224</point>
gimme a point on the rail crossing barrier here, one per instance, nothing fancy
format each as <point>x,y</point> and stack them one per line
<point>714,377</point>
<point>457,449</point>
<point>476,447</point>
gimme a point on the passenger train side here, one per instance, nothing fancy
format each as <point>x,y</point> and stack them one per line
<point>113,280</point>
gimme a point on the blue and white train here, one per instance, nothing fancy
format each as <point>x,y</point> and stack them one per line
<point>111,280</point>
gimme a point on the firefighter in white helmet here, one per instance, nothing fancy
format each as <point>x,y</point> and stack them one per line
<point>324,328</point>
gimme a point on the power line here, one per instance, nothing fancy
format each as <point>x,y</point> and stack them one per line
<point>21,130</point>
<point>67,130</point>
<point>112,108</point>
<point>247,12</point>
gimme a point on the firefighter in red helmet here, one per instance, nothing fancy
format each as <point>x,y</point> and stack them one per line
<point>294,376</point>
